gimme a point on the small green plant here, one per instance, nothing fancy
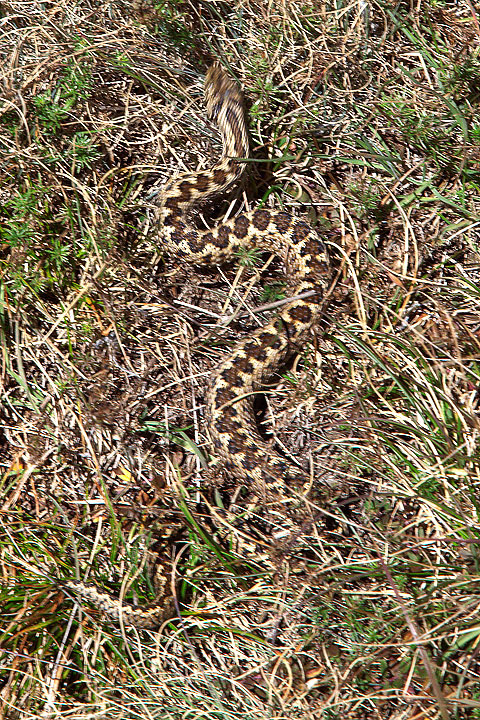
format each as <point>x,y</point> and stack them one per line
<point>51,109</point>
<point>475,134</point>
<point>462,79</point>
<point>248,257</point>
<point>36,233</point>
<point>21,213</point>
<point>368,196</point>
<point>49,113</point>
<point>273,292</point>
<point>170,21</point>
<point>83,151</point>
<point>16,233</point>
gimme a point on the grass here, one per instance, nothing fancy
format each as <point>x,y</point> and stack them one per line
<point>364,120</point>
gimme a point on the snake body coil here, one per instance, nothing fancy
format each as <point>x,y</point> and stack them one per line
<point>229,400</point>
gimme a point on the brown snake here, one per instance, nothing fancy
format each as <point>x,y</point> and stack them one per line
<point>229,401</point>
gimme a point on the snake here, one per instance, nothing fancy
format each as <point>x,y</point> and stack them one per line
<point>229,402</point>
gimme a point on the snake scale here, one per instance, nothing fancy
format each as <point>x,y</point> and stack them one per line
<point>229,400</point>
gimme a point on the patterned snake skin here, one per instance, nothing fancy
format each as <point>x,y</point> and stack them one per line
<point>229,401</point>
<point>230,396</point>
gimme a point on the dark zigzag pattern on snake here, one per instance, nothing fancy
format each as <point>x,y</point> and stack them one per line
<point>229,399</point>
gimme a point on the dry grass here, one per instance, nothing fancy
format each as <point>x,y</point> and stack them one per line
<point>363,119</point>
